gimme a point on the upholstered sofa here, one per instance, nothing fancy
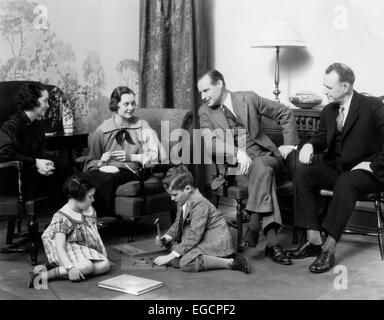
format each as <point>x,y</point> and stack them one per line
<point>147,196</point>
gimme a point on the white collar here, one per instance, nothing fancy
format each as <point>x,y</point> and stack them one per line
<point>76,216</point>
<point>347,104</point>
<point>228,102</point>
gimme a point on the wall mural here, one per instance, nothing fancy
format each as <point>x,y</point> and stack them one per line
<point>38,54</point>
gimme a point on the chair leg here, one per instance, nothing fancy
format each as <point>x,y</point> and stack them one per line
<point>33,232</point>
<point>380,228</point>
<point>18,224</point>
<point>239,217</point>
<point>295,236</point>
<point>10,229</point>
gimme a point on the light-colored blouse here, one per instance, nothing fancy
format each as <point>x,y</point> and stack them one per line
<point>142,141</point>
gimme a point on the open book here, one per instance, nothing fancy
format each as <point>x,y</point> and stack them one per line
<point>130,284</point>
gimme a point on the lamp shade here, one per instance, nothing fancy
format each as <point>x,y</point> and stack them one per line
<point>278,33</point>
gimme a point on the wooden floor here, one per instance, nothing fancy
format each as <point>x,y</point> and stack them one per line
<point>357,256</point>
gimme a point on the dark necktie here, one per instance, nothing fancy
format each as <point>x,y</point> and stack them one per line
<point>181,223</point>
<point>122,135</point>
<point>340,119</point>
<point>228,114</point>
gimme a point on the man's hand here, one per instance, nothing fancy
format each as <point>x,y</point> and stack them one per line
<point>162,260</point>
<point>363,166</point>
<point>45,167</point>
<point>306,154</point>
<point>245,162</point>
<point>286,150</point>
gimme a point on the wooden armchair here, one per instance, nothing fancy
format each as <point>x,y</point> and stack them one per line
<point>13,202</point>
<point>284,181</point>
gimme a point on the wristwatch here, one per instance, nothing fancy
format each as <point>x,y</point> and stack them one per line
<point>69,268</point>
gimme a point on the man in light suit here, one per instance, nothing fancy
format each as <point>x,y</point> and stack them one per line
<point>256,154</point>
<point>351,135</point>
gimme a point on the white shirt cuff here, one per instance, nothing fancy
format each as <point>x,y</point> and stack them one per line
<point>177,255</point>
<point>292,147</point>
<point>167,237</point>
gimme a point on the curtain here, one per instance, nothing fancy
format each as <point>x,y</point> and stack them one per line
<point>172,53</point>
<point>172,56</point>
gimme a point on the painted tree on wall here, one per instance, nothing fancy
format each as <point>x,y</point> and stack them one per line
<point>94,78</point>
<point>128,70</point>
<point>37,54</point>
<point>16,27</point>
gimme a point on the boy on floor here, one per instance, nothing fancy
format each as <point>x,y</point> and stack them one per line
<point>199,239</point>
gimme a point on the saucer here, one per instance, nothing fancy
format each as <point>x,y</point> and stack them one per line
<point>109,169</point>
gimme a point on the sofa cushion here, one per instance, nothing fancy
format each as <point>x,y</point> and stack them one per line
<point>132,207</point>
<point>152,185</point>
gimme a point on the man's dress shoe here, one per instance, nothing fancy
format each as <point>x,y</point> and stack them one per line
<point>277,255</point>
<point>305,250</point>
<point>323,263</point>
<point>250,239</point>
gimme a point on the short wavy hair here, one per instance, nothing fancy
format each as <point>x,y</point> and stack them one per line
<point>116,97</point>
<point>28,96</point>
<point>345,73</point>
<point>214,75</point>
<point>177,178</point>
<point>78,185</point>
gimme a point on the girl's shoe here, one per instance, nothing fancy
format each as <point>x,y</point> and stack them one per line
<point>31,280</point>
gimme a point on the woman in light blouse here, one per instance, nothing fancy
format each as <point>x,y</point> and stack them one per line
<point>121,145</point>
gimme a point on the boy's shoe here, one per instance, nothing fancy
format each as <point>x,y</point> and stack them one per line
<point>240,263</point>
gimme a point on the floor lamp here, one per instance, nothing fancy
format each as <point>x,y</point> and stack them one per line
<point>278,34</point>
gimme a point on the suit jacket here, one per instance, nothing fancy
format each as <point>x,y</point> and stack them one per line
<point>204,227</point>
<point>362,135</point>
<point>250,107</point>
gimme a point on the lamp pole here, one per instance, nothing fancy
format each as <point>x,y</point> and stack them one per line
<point>276,92</point>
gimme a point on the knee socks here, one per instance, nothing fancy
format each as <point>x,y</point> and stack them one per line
<point>210,262</point>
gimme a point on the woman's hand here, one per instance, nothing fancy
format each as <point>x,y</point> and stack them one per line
<point>119,155</point>
<point>145,160</point>
<point>106,157</point>
<point>45,167</point>
<point>75,274</point>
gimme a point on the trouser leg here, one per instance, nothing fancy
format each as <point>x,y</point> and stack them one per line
<point>307,183</point>
<point>347,189</point>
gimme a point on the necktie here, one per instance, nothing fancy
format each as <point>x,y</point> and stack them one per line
<point>228,114</point>
<point>340,119</point>
<point>181,224</point>
<point>122,135</point>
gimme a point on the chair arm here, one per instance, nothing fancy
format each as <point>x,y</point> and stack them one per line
<point>161,167</point>
<point>18,166</point>
<point>15,164</point>
<point>80,161</point>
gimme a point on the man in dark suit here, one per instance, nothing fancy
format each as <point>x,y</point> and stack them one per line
<point>350,135</point>
<point>258,157</point>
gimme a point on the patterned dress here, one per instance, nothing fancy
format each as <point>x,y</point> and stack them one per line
<point>83,240</point>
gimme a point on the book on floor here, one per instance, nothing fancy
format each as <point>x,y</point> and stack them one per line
<point>130,284</point>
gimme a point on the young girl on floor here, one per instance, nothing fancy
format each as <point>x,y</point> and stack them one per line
<point>199,239</point>
<point>72,242</point>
